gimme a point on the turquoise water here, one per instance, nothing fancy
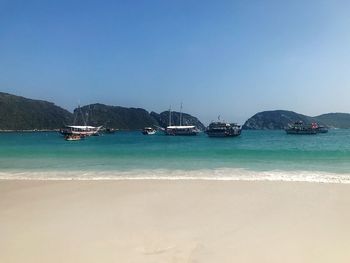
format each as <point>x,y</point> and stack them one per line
<point>124,152</point>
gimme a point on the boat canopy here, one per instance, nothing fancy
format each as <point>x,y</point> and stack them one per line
<point>180,127</point>
<point>82,127</point>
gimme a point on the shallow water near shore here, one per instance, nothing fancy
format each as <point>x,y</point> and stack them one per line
<point>267,155</point>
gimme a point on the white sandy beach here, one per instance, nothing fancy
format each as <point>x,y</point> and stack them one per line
<point>153,221</point>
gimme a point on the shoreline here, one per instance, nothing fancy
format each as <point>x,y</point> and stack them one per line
<point>173,221</point>
<point>34,130</point>
<point>57,130</point>
<point>216,174</point>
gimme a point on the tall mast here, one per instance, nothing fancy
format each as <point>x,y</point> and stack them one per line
<point>181,114</point>
<point>170,116</point>
<point>76,112</point>
<point>87,115</point>
<point>82,115</point>
<point>79,110</point>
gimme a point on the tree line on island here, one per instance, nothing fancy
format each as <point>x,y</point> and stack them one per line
<point>19,113</point>
<point>279,119</point>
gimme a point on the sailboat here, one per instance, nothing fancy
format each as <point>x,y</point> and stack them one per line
<point>183,130</point>
<point>83,130</point>
<point>80,130</point>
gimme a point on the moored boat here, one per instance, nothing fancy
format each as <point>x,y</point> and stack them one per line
<point>321,129</point>
<point>81,130</point>
<point>182,130</point>
<point>149,131</point>
<point>73,137</point>
<point>300,128</point>
<point>223,129</point>
<point>110,130</point>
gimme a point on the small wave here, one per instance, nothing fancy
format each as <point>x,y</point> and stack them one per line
<point>222,174</point>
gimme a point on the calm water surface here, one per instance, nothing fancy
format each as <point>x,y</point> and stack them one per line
<point>258,151</point>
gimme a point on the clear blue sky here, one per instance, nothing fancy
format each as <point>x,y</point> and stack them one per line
<point>232,58</point>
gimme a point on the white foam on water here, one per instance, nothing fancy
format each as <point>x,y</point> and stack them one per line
<point>220,174</point>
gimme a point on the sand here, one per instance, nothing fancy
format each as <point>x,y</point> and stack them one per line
<point>152,221</point>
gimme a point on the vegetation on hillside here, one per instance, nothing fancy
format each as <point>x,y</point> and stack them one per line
<point>18,113</point>
<point>279,119</point>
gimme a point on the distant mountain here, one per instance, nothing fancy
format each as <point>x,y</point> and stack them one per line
<point>114,117</point>
<point>187,119</point>
<point>273,120</point>
<point>279,119</point>
<point>18,113</point>
<point>335,120</point>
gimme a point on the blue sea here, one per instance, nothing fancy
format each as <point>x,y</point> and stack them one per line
<point>255,155</point>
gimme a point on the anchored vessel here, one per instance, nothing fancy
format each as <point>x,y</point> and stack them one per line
<point>110,130</point>
<point>181,130</point>
<point>223,129</point>
<point>80,130</point>
<point>189,130</point>
<point>72,137</point>
<point>321,129</point>
<point>148,131</point>
<point>300,128</point>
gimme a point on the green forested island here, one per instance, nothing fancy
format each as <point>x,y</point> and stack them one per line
<point>279,119</point>
<point>19,113</point>
<point>114,116</point>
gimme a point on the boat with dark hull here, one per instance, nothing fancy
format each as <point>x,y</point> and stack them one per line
<point>223,129</point>
<point>110,130</point>
<point>299,128</point>
<point>321,129</point>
